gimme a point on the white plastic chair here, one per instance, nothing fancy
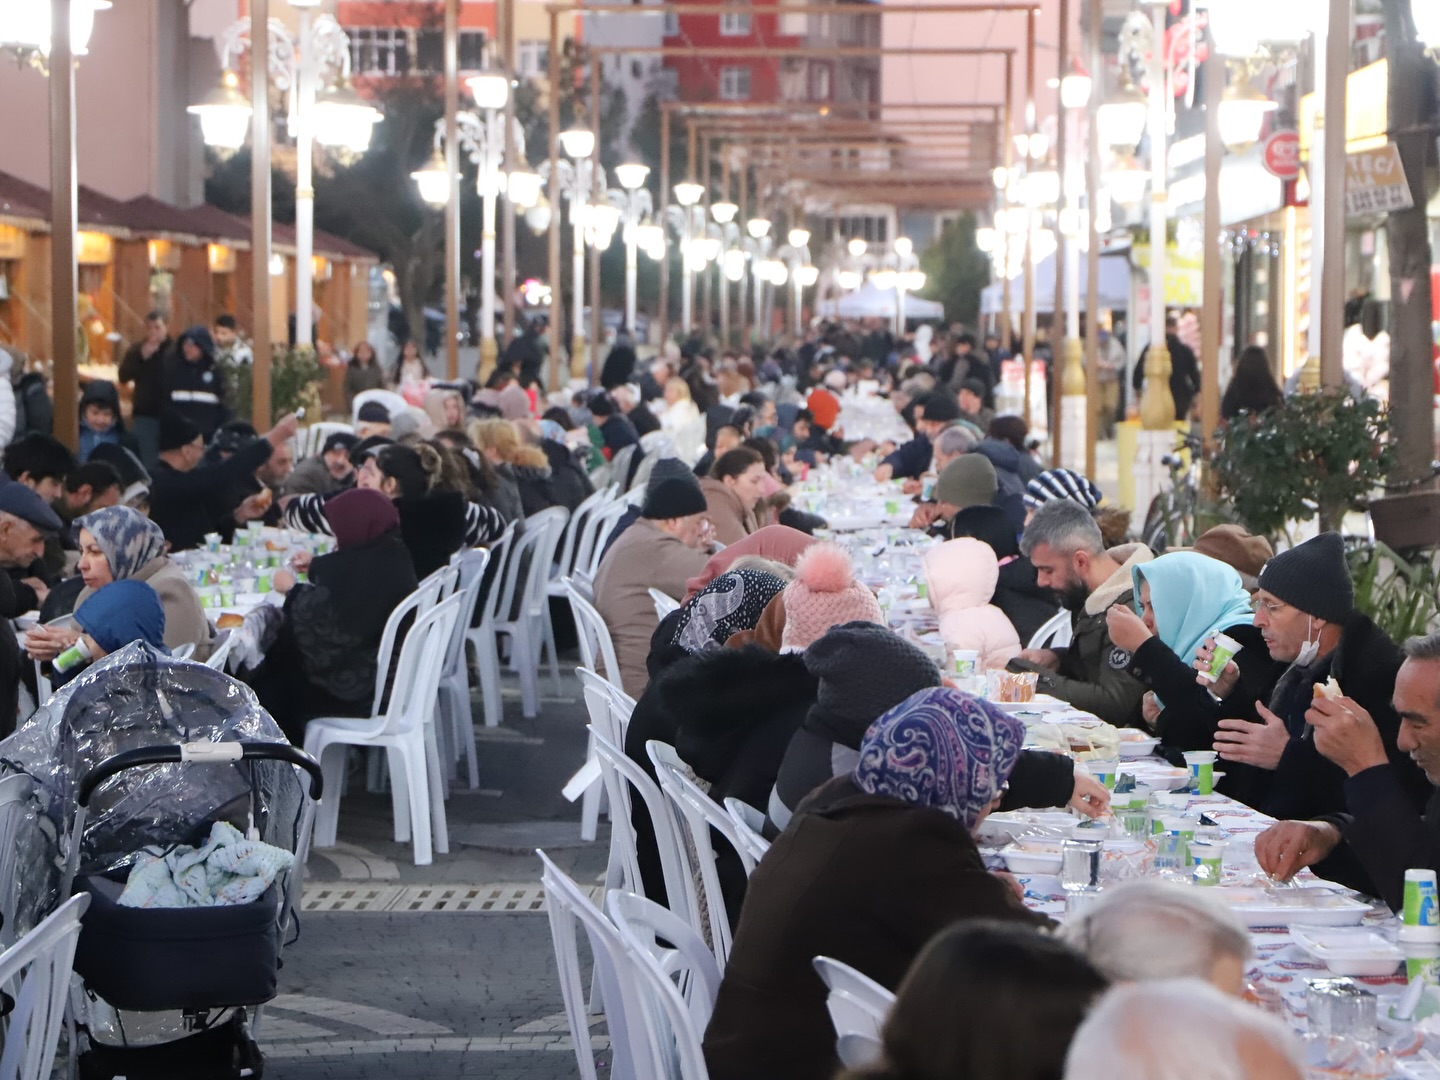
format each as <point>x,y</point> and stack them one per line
<point>480,633</point>
<point>183,652</point>
<point>220,654</point>
<point>609,517</point>
<point>699,814</point>
<point>455,678</point>
<point>590,542</point>
<point>393,402</point>
<point>406,730</point>
<point>570,542</point>
<point>621,775</point>
<point>1055,634</point>
<point>36,973</point>
<point>664,604</point>
<point>658,443</point>
<point>857,1004</point>
<point>593,634</point>
<point>566,904</point>
<point>524,611</point>
<point>749,824</point>
<point>310,440</point>
<point>857,1050</point>
<point>586,784</point>
<point>14,796</point>
<point>674,1018</point>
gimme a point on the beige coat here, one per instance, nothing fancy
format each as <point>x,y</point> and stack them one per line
<point>723,507</point>
<point>645,557</point>
<point>185,620</point>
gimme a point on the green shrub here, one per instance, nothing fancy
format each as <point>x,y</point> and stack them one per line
<point>295,381</point>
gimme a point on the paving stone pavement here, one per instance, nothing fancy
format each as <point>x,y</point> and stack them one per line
<point>400,990</point>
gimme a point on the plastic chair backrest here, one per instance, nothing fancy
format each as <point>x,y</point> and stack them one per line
<point>183,652</point>
<point>1054,634</point>
<point>593,634</point>
<point>550,524</point>
<point>748,825</point>
<point>470,567</point>
<point>311,440</point>
<point>621,775</point>
<point>566,904</point>
<point>609,518</point>
<point>585,544</point>
<point>492,578</point>
<point>857,1003</point>
<point>598,692</point>
<point>393,402</point>
<point>428,592</point>
<point>857,1050</point>
<point>35,971</point>
<point>673,1024</point>
<point>422,658</point>
<point>698,813</point>
<point>565,560</point>
<point>664,604</point>
<point>14,798</point>
<point>659,443</point>
<point>221,652</point>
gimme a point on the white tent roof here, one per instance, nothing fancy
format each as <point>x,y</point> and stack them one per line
<point>1114,287</point>
<point>869,302</point>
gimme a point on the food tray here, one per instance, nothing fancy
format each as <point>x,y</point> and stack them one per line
<point>1349,950</point>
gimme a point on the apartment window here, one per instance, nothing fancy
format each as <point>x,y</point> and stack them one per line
<point>735,24</point>
<point>667,84</point>
<point>734,84</point>
<point>672,24</point>
<point>820,83</point>
<point>532,58</point>
<point>472,50</point>
<point>379,50</point>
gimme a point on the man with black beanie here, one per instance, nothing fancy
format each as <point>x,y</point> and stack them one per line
<point>188,500</point>
<point>934,412</point>
<point>1305,610</point>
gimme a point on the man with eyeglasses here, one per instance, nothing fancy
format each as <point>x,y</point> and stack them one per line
<point>1305,610</point>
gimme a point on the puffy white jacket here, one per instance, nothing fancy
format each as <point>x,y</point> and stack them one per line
<point>962,575</point>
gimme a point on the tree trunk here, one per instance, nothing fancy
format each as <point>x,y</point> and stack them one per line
<point>1411,371</point>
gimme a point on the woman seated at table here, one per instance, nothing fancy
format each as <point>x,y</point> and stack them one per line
<point>986,999</point>
<point>1185,600</point>
<point>733,489</point>
<point>114,616</point>
<point>118,544</point>
<point>323,662</point>
<point>871,867</point>
<point>525,466</point>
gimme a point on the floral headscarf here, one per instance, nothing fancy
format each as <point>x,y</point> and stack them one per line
<point>734,601</point>
<point>943,749</point>
<point>128,538</point>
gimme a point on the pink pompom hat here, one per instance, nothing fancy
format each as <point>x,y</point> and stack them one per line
<point>824,594</point>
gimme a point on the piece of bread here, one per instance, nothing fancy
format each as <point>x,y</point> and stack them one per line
<point>263,498</point>
<point>229,621</point>
<point>1329,689</point>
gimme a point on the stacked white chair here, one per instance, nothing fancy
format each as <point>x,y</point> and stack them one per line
<point>593,634</point>
<point>607,519</point>
<point>677,982</point>
<point>621,775</point>
<point>566,904</point>
<point>481,635</point>
<point>858,1006</point>
<point>664,603</point>
<point>455,678</point>
<point>404,727</point>
<point>1055,634</point>
<point>570,543</point>
<point>36,973</point>
<point>749,824</point>
<point>698,814</point>
<point>524,611</point>
<point>220,654</point>
<point>586,784</point>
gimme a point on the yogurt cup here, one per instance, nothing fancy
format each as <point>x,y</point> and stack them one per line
<point>1225,649</point>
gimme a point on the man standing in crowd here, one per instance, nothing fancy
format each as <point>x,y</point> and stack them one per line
<point>229,345</point>
<point>196,386</point>
<point>143,365</point>
<point>188,500</point>
<point>1184,371</point>
<point>328,472</point>
<point>1064,544</point>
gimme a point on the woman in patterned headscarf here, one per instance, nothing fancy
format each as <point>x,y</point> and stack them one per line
<point>733,602</point>
<point>871,867</point>
<point>119,544</point>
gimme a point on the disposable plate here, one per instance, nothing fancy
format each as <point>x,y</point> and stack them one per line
<point>1349,950</point>
<point>1294,907</point>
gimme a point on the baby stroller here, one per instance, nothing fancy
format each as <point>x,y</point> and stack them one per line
<point>142,751</point>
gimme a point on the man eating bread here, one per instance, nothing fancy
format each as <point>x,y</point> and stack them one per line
<point>1305,610</point>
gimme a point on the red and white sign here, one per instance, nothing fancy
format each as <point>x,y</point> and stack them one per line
<point>1281,155</point>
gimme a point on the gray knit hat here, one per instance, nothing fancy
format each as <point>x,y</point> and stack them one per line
<point>864,670</point>
<point>1313,577</point>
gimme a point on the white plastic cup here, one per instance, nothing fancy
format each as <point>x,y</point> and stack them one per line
<point>1202,770</point>
<point>967,662</point>
<point>1420,917</point>
<point>1225,649</point>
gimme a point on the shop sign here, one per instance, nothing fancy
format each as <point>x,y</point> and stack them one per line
<point>1375,182</point>
<point>94,249</point>
<point>1280,154</point>
<point>12,242</point>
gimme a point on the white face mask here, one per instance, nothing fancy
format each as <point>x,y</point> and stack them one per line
<point>1311,649</point>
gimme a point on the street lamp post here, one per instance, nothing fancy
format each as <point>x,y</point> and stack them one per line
<point>687,194</point>
<point>759,230</point>
<point>797,255</point>
<point>576,179</point>
<point>635,206</point>
<point>724,214</point>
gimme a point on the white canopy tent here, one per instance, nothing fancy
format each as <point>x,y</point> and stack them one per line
<point>869,302</point>
<point>1114,287</point>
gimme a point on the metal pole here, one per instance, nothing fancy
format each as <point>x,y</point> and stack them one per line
<point>1007,150</point>
<point>723,282</point>
<point>1212,311</point>
<point>489,182</point>
<point>707,272</point>
<point>742,218</point>
<point>1157,406</point>
<point>305,187</point>
<point>506,12</point>
<point>1066,247</point>
<point>661,212</point>
<point>597,182</point>
<point>64,276</point>
<point>1095,18</point>
<point>632,258</point>
<point>260,214</point>
<point>577,264</point>
<point>557,212</point>
<point>452,200</point>
<point>1028,330</point>
<point>1332,285</point>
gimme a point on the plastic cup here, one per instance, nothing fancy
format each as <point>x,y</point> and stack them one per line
<point>967,662</point>
<point>1202,770</point>
<point>262,583</point>
<point>922,590</point>
<point>1209,860</point>
<point>927,489</point>
<point>212,541</point>
<point>892,507</point>
<point>1420,918</point>
<point>1225,649</point>
<point>1104,770</point>
<point>1171,851</point>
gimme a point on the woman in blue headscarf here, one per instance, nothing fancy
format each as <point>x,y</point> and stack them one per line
<point>1185,599</point>
<point>871,866</point>
<point>114,616</point>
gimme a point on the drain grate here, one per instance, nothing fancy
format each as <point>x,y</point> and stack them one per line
<point>504,898</point>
